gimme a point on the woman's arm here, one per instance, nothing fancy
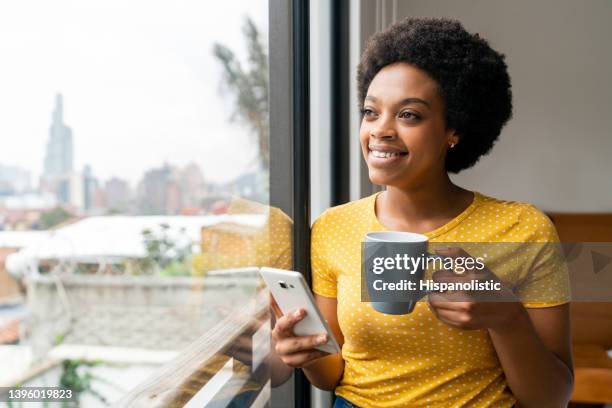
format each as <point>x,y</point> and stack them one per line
<point>289,351</point>
<point>325,373</point>
<point>533,345</point>
<point>534,350</point>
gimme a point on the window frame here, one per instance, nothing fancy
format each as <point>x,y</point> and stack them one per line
<point>290,136</point>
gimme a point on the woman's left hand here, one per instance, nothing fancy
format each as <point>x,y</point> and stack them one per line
<point>470,311</point>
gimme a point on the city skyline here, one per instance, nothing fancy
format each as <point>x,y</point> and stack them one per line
<point>164,189</point>
<point>58,160</point>
<point>147,93</point>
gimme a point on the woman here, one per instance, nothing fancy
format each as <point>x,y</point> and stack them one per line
<point>434,100</point>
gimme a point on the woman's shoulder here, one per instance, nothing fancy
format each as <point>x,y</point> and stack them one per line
<point>350,212</point>
<point>526,218</point>
<point>518,209</point>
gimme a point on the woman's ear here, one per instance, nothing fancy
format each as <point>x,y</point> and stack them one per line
<point>452,138</point>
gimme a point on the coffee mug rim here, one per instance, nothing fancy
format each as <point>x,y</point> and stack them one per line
<point>415,237</point>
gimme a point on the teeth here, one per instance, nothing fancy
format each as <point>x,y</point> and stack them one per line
<point>384,155</point>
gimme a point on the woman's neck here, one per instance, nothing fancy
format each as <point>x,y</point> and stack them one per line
<point>423,207</point>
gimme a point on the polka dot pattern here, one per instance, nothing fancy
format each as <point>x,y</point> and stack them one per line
<point>415,359</point>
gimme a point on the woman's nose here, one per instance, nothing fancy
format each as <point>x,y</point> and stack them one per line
<point>384,135</point>
<point>384,129</point>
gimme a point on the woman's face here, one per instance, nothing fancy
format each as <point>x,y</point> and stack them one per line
<point>403,134</point>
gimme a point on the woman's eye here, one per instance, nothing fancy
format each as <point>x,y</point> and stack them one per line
<point>408,115</point>
<point>367,112</point>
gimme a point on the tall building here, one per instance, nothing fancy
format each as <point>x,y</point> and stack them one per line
<point>59,155</point>
<point>59,176</point>
<point>117,194</point>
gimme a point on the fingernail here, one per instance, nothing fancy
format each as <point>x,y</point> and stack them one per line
<point>298,313</point>
<point>322,339</point>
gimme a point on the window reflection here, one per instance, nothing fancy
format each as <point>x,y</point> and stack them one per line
<point>134,201</point>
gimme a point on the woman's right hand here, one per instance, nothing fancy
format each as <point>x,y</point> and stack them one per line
<point>296,351</point>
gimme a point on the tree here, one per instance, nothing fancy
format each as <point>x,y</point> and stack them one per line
<point>166,255</point>
<point>54,217</point>
<point>250,86</point>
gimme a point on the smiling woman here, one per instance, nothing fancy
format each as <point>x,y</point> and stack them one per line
<point>461,81</point>
<point>400,134</point>
<point>434,99</point>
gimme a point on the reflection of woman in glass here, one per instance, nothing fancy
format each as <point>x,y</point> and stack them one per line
<point>434,100</point>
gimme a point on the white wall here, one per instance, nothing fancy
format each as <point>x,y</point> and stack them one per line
<point>557,150</point>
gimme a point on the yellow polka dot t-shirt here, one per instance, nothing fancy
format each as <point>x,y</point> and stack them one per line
<point>415,359</point>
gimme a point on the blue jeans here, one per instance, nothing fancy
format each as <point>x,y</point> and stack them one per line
<point>342,403</point>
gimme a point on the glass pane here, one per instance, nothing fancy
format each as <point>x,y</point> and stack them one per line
<point>134,192</point>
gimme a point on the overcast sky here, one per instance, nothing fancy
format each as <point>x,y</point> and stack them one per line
<point>139,81</point>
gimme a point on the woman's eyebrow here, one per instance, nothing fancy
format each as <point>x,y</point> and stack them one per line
<point>405,101</point>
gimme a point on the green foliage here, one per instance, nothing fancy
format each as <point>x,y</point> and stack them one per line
<point>176,268</point>
<point>165,255</point>
<point>54,217</point>
<point>79,380</point>
<point>250,87</point>
<point>59,338</point>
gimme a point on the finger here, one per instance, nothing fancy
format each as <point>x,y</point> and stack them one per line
<point>303,359</point>
<point>456,319</point>
<point>432,309</point>
<point>284,325</point>
<point>302,343</point>
<point>447,295</point>
<point>454,301</point>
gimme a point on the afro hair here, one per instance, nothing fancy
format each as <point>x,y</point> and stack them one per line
<point>472,79</point>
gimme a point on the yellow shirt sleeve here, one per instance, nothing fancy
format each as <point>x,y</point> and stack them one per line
<point>546,282</point>
<point>324,280</point>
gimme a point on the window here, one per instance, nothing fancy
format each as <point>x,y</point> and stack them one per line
<point>147,169</point>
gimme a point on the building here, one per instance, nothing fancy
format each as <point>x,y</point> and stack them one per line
<point>23,212</point>
<point>58,176</point>
<point>117,195</point>
<point>14,180</point>
<point>159,192</point>
<point>90,185</point>
<point>192,185</point>
<point>59,154</point>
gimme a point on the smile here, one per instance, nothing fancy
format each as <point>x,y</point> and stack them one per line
<point>383,155</point>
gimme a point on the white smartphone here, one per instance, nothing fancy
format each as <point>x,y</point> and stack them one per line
<point>291,292</point>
